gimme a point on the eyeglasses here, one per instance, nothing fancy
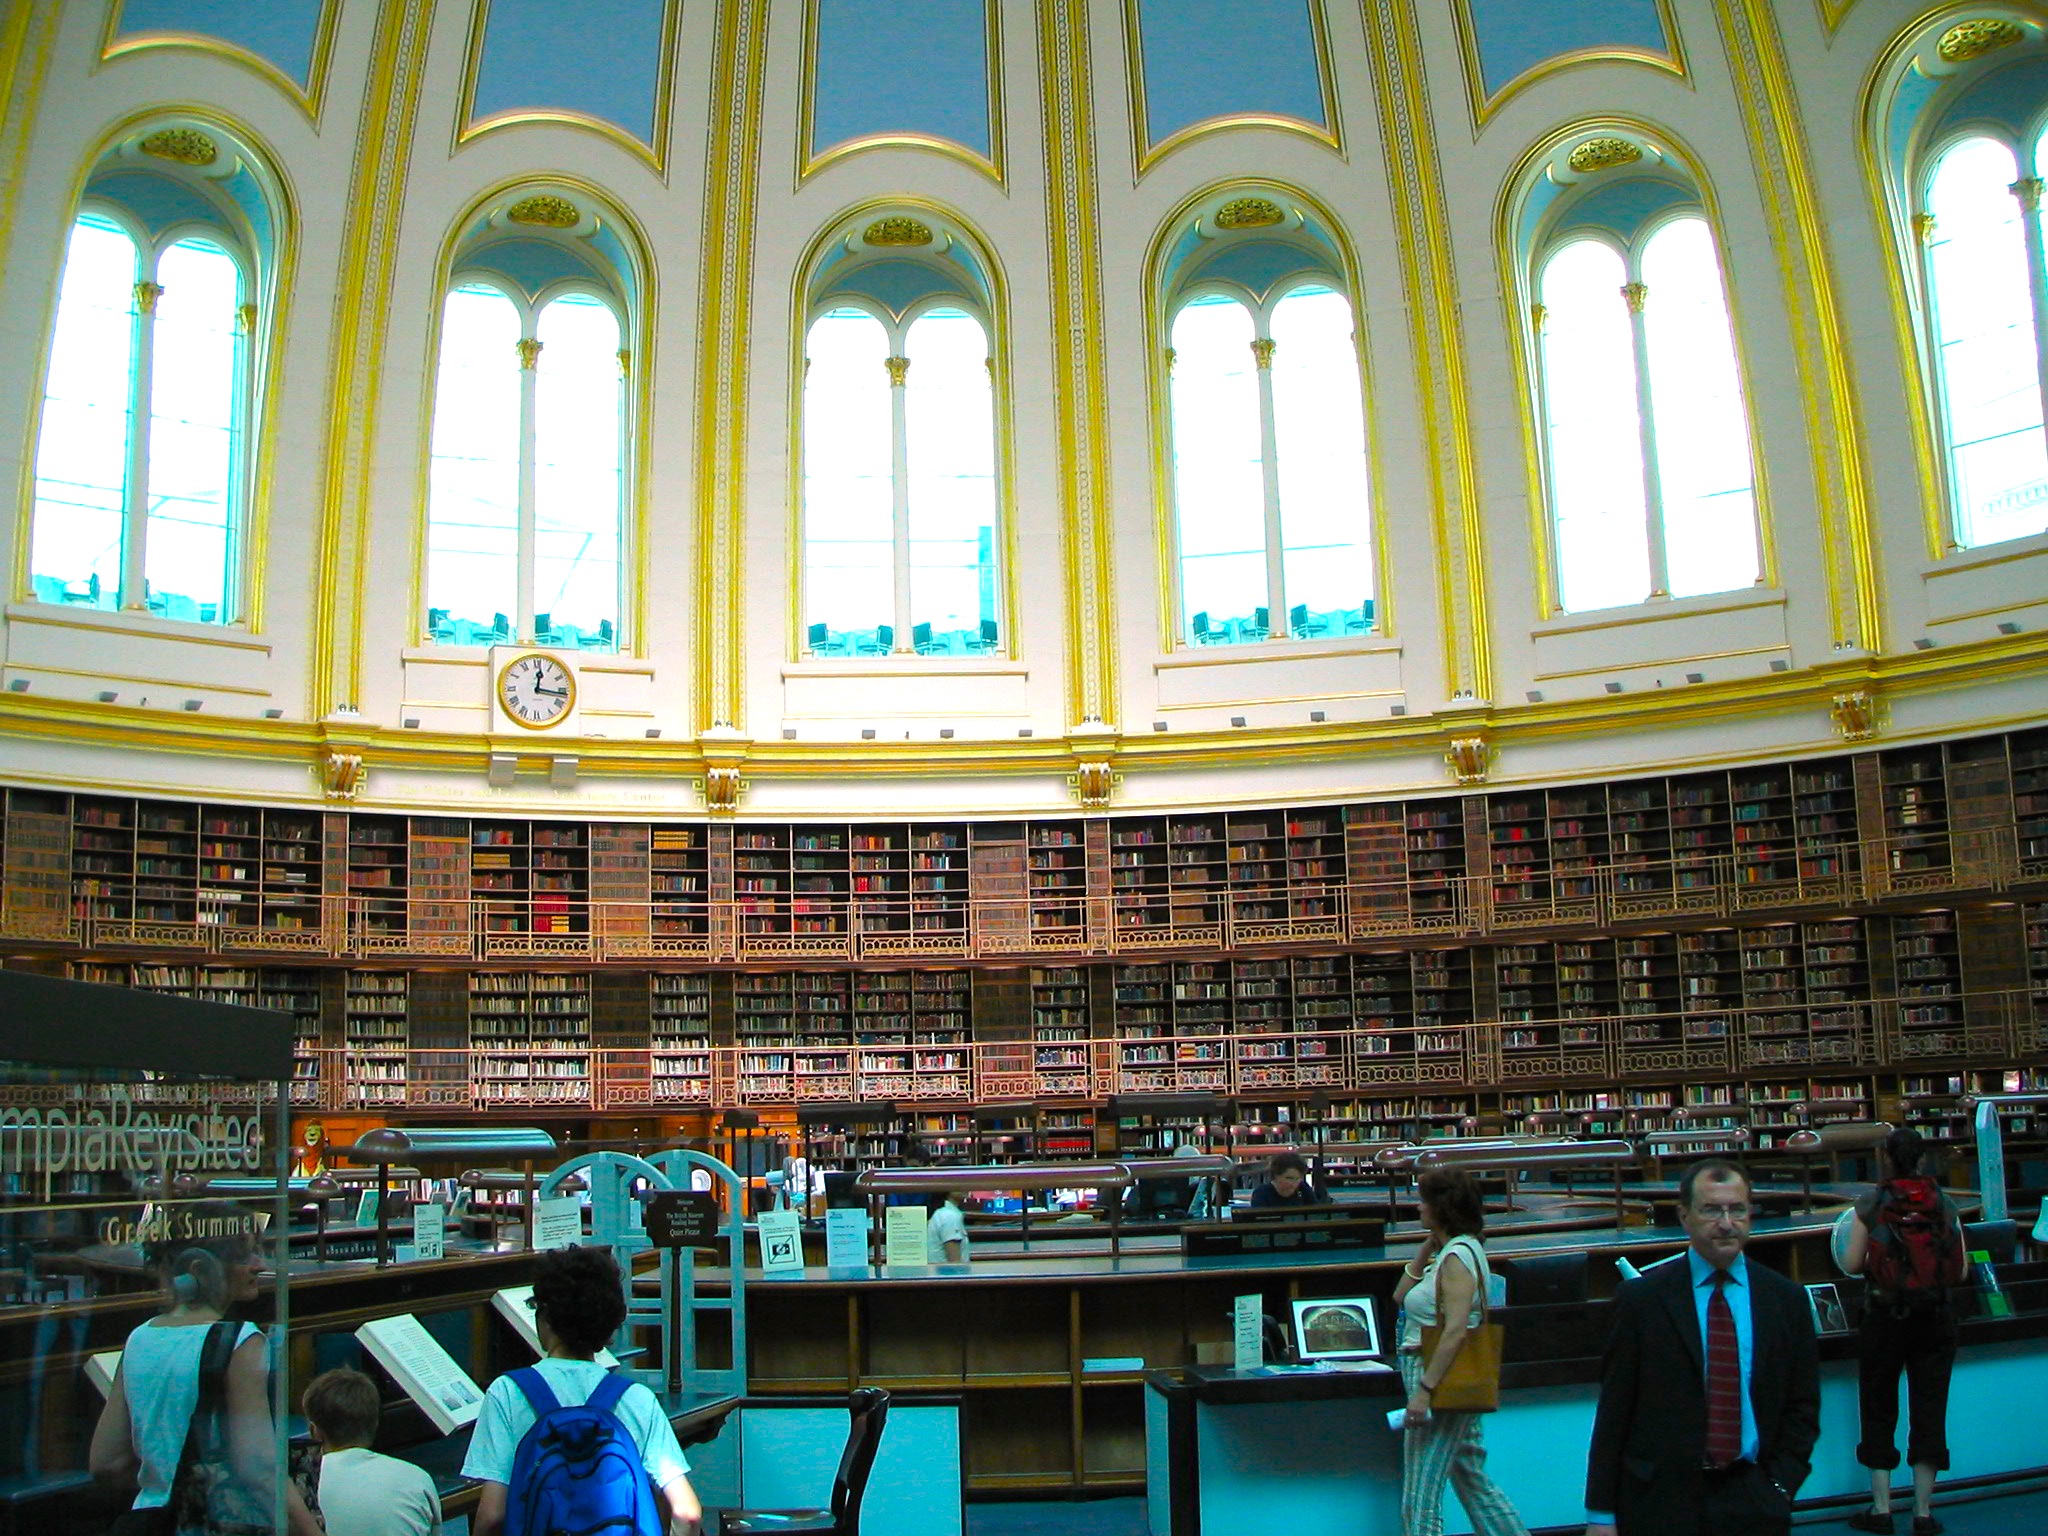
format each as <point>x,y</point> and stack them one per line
<point>1721,1212</point>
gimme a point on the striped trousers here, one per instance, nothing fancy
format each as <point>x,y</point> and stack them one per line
<point>1447,1448</point>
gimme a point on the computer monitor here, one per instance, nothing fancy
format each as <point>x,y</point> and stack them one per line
<point>1336,1328</point>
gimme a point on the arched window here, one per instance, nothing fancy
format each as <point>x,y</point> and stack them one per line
<point>1269,480</point>
<point>1984,270</point>
<point>527,455</point>
<point>901,499</point>
<point>1266,431</point>
<point>1650,483</point>
<point>141,480</point>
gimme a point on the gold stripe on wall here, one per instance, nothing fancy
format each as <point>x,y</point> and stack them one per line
<point>362,304</point>
<point>731,194</point>
<point>26,32</point>
<point>1080,366</point>
<point>1422,227</point>
<point>1784,171</point>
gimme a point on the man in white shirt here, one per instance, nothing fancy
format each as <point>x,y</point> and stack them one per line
<point>945,1235</point>
<point>361,1492</point>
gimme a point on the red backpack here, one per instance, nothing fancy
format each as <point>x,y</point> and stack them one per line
<point>1916,1245</point>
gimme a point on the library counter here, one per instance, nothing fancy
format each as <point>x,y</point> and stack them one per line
<point>1221,1446</point>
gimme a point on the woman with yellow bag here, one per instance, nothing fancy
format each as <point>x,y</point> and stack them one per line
<point>1450,1363</point>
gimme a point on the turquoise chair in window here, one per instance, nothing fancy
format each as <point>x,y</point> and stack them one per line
<point>1199,626</point>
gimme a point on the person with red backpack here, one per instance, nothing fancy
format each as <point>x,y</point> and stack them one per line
<point>1907,1242</point>
<point>566,1446</point>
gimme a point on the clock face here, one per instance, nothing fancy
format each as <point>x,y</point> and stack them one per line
<point>536,690</point>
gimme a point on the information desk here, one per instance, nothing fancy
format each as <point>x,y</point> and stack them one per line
<point>1223,1449</point>
<point>1049,1351</point>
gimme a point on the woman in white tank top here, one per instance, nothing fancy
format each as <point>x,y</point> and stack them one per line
<point>1445,1282</point>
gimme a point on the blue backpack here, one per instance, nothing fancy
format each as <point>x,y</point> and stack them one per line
<point>577,1471</point>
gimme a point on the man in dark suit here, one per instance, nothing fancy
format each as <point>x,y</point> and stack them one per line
<point>1710,1390</point>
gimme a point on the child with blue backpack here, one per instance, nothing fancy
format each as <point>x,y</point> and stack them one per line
<point>565,1445</point>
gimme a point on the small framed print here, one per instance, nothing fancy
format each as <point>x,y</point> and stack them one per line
<point>1828,1316</point>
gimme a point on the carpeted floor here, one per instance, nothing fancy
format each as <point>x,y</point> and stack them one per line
<point>2022,1514</point>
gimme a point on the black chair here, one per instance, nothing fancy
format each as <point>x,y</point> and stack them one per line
<point>1545,1280</point>
<point>870,1410</point>
<point>2000,1239</point>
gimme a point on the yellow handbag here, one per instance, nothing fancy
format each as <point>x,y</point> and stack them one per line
<point>1472,1384</point>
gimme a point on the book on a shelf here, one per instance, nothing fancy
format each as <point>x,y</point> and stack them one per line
<point>424,1371</point>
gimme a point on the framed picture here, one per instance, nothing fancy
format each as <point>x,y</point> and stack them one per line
<point>1828,1316</point>
<point>1340,1328</point>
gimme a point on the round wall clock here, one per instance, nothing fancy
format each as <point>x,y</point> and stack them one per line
<point>536,690</point>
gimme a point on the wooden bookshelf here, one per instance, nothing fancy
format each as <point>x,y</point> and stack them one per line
<point>679,1037</point>
<point>530,1038</point>
<point>374,1039</point>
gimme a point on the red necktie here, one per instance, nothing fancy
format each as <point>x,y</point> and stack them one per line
<point>1724,1378</point>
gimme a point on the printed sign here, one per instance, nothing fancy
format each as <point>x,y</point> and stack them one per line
<point>903,1235</point>
<point>557,1223</point>
<point>782,1241</point>
<point>430,1231</point>
<point>681,1218</point>
<point>846,1239</point>
<point>1248,1351</point>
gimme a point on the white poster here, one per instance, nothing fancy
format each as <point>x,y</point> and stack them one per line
<point>1249,1343</point>
<point>429,1230</point>
<point>782,1241</point>
<point>903,1235</point>
<point>557,1223</point>
<point>426,1371</point>
<point>846,1239</point>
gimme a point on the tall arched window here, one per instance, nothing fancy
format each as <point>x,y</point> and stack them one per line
<point>1985,301</point>
<point>141,480</point>
<point>1651,486</point>
<point>901,499</point>
<point>1269,467</point>
<point>527,456</point>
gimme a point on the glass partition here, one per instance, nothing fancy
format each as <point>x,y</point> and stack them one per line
<point>118,1255</point>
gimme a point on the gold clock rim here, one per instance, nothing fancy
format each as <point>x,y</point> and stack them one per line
<point>498,692</point>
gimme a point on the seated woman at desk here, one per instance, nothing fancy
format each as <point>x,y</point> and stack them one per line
<point>169,1377</point>
<point>1286,1184</point>
<point>578,1304</point>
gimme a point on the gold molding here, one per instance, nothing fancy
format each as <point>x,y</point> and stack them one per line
<point>2018,606</point>
<point>1469,758</point>
<point>1484,106</point>
<point>1265,700</point>
<point>993,165</point>
<point>1424,240</point>
<point>1624,718</point>
<point>1833,11</point>
<point>362,312</point>
<point>1145,154</point>
<point>1080,361</point>
<point>724,322</point>
<point>1962,562</point>
<point>1855,714</point>
<point>1094,783</point>
<point>308,98</point>
<point>341,774</point>
<point>1799,230</point>
<point>469,128</point>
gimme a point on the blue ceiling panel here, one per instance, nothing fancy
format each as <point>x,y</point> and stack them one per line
<point>597,58</point>
<point>1227,58</point>
<point>888,68</point>
<point>282,32</point>
<point>1514,36</point>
